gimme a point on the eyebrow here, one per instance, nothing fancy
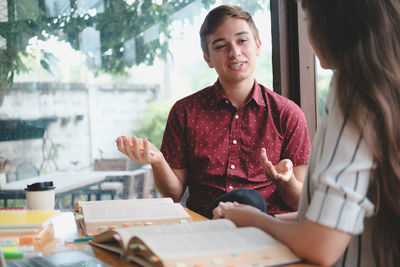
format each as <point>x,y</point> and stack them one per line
<point>221,39</point>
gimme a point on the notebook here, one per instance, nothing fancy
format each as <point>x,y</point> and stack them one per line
<point>12,219</point>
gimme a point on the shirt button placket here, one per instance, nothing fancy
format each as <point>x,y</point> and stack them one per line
<point>234,150</point>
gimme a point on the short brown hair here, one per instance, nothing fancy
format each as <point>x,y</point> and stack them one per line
<point>218,15</point>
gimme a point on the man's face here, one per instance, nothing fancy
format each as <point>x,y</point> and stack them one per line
<point>233,51</point>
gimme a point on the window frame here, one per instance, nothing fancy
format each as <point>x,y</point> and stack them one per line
<point>293,61</point>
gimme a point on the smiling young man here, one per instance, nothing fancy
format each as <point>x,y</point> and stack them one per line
<point>216,139</point>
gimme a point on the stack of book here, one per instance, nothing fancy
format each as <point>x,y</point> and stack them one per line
<point>25,223</point>
<point>159,232</point>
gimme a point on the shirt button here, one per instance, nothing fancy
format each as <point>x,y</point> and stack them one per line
<point>232,166</point>
<point>230,187</point>
<point>236,116</point>
<point>234,142</point>
<point>226,101</point>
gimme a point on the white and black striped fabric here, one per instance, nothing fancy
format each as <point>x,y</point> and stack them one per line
<point>336,184</point>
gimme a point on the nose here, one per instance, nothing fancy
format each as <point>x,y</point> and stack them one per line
<point>234,51</point>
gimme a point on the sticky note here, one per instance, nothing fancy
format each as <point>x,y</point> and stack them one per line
<point>137,246</point>
<point>78,217</point>
<point>154,258</point>
<point>26,241</point>
<point>217,261</point>
<point>102,228</point>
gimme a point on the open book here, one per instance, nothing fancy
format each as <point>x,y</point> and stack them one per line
<point>99,216</point>
<point>202,243</point>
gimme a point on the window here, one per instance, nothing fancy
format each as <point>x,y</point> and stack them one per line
<point>76,74</point>
<point>323,82</point>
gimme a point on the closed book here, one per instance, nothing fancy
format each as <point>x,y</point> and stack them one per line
<point>99,216</point>
<point>26,218</point>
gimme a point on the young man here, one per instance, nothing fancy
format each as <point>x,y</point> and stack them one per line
<point>216,139</point>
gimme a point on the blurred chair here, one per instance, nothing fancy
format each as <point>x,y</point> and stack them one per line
<point>111,165</point>
<point>26,170</point>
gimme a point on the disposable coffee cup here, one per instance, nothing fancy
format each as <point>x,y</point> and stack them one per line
<point>40,196</point>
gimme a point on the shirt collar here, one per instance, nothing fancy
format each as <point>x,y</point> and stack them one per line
<point>256,94</point>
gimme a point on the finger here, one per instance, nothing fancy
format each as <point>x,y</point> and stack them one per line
<point>236,204</point>
<point>264,159</point>
<point>145,147</point>
<point>118,141</point>
<point>131,145</point>
<point>217,213</point>
<point>123,144</point>
<point>284,166</point>
<point>269,168</point>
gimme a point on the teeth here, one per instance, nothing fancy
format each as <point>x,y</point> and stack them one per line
<point>236,65</point>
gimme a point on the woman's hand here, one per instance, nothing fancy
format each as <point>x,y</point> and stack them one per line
<point>220,211</point>
<point>241,215</point>
<point>280,173</point>
<point>139,150</point>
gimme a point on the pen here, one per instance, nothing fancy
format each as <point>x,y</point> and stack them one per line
<point>80,239</point>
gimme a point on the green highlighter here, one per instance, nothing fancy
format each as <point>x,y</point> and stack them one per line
<point>13,254</point>
<point>20,254</point>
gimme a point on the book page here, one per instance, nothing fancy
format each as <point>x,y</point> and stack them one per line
<point>176,245</point>
<point>108,240</point>
<point>116,213</point>
<point>125,202</point>
<point>240,245</point>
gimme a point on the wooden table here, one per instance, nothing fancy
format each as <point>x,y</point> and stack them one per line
<point>65,228</point>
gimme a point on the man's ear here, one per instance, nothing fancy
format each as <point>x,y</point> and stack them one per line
<point>208,61</point>
<point>258,44</point>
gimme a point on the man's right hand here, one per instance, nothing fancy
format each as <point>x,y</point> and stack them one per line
<point>139,150</point>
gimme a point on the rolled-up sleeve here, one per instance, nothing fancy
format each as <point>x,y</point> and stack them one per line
<point>340,176</point>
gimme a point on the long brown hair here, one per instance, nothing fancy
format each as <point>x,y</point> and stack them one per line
<point>361,40</point>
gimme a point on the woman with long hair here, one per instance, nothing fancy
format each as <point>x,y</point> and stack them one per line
<point>350,205</point>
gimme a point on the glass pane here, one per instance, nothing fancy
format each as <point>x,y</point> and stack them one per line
<point>77,74</point>
<point>324,77</point>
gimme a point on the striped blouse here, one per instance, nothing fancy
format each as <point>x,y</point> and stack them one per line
<point>336,184</point>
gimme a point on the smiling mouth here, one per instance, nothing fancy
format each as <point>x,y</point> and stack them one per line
<point>236,66</point>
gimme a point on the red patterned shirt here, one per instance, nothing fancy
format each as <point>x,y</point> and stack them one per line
<point>219,145</point>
